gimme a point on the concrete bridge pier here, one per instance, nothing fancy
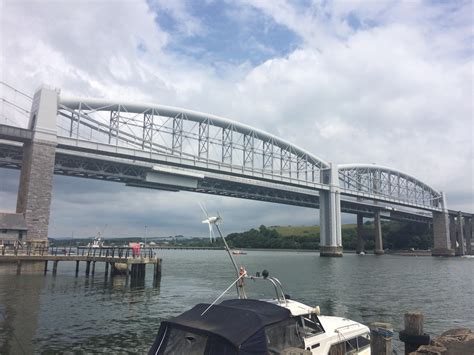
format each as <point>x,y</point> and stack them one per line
<point>452,232</point>
<point>468,235</point>
<point>461,248</point>
<point>330,214</point>
<point>360,233</point>
<point>378,234</point>
<point>36,178</point>
<point>441,230</point>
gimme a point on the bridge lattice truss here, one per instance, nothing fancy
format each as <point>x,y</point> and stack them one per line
<point>200,141</point>
<point>388,183</point>
<point>190,139</point>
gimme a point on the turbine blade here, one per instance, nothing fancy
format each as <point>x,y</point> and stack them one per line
<point>210,232</point>
<point>203,210</point>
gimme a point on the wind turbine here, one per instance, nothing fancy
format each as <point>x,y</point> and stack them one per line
<point>214,221</point>
<point>210,220</point>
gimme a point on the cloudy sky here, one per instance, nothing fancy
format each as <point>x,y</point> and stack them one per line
<point>384,82</point>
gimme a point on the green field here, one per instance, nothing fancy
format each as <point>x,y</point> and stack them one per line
<point>287,231</point>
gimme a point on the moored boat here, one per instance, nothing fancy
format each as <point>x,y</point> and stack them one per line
<point>238,252</point>
<point>250,326</point>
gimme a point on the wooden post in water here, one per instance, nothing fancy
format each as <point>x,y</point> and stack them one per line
<point>413,335</point>
<point>106,268</point>
<point>93,267</point>
<point>157,273</point>
<point>88,267</point>
<point>45,266</point>
<point>77,267</point>
<point>381,335</point>
<point>18,267</point>
<point>55,266</point>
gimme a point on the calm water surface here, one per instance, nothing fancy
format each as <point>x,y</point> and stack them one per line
<point>46,314</point>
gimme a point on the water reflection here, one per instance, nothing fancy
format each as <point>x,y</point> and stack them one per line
<point>19,306</point>
<point>94,310</point>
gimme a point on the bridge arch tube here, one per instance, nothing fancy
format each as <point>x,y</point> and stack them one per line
<point>74,103</point>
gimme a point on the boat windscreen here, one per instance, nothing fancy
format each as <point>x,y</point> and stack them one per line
<point>282,335</point>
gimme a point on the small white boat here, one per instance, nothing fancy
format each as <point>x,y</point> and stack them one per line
<point>98,242</point>
<point>238,252</point>
<point>249,326</point>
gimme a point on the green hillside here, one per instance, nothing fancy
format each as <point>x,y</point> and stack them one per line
<point>396,235</point>
<point>298,231</point>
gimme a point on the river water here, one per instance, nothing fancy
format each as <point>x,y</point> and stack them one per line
<point>64,313</point>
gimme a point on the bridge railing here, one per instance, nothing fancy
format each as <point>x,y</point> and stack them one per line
<point>15,106</point>
<point>112,252</point>
<point>116,252</point>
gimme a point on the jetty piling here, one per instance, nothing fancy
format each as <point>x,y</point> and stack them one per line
<point>120,260</point>
<point>413,335</point>
<point>88,267</point>
<point>381,335</point>
<point>55,267</point>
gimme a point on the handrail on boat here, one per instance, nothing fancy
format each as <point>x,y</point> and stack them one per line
<point>277,285</point>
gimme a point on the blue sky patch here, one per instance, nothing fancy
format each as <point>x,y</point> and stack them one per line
<point>228,37</point>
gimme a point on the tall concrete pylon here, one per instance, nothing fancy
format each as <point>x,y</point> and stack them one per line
<point>468,234</point>
<point>461,250</point>
<point>360,233</point>
<point>330,214</point>
<point>378,234</point>
<point>36,179</point>
<point>441,230</point>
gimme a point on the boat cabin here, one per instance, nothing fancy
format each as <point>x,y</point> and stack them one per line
<point>239,326</point>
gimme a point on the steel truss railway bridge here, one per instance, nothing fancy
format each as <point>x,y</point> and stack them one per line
<point>168,148</point>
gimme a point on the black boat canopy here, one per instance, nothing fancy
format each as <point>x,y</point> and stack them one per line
<point>240,326</point>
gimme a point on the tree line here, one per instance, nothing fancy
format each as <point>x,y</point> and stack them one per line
<point>396,236</point>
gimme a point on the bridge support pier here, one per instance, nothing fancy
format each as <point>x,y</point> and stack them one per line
<point>360,233</point>
<point>378,234</point>
<point>460,250</point>
<point>330,214</point>
<point>468,234</point>
<point>36,179</point>
<point>442,229</point>
<point>442,242</point>
<point>453,232</point>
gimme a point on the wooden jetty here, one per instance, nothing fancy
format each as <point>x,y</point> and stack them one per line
<point>122,260</point>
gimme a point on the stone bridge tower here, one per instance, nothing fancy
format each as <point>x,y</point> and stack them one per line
<point>36,179</point>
